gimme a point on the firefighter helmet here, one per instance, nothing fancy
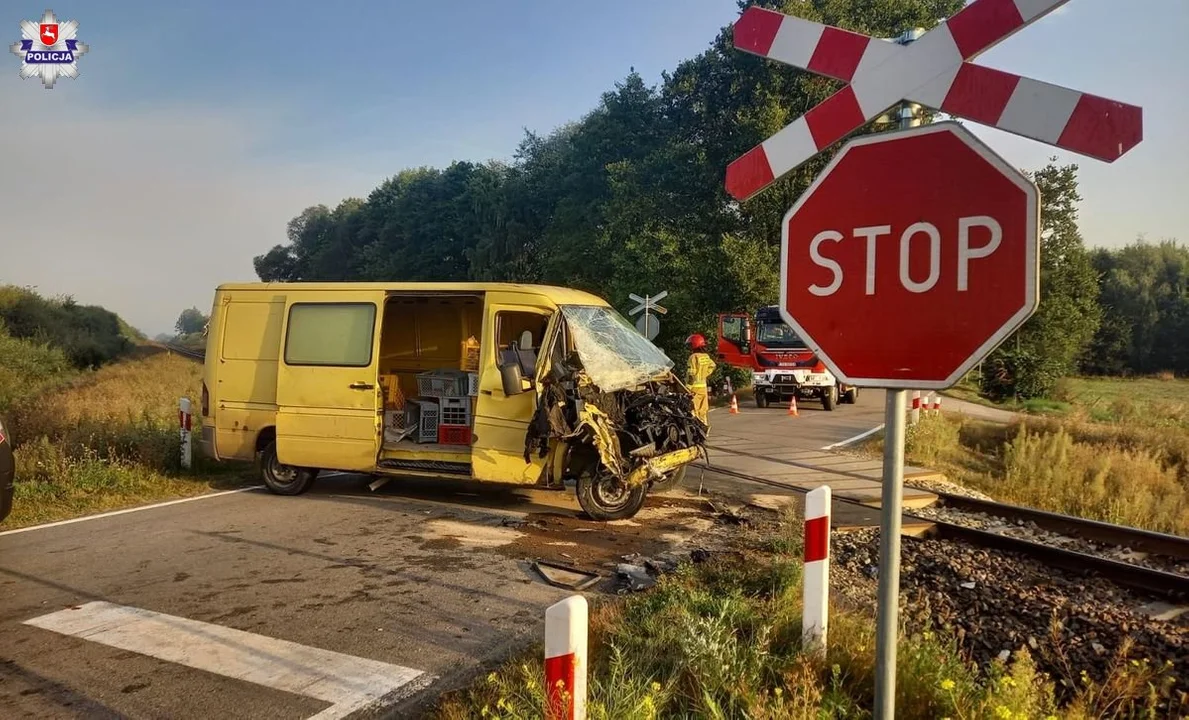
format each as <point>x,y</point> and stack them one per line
<point>695,341</point>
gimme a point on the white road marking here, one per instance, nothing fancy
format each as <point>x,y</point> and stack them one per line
<point>348,683</point>
<point>856,438</point>
<point>113,513</point>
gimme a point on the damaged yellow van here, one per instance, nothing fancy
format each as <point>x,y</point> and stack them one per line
<point>501,383</point>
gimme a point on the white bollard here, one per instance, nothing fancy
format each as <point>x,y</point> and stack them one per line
<point>937,403</point>
<point>915,416</point>
<point>566,659</point>
<point>184,423</point>
<point>816,586</point>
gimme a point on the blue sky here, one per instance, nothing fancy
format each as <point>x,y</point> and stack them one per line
<point>195,131</point>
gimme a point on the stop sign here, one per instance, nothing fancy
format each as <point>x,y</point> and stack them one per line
<point>911,257</point>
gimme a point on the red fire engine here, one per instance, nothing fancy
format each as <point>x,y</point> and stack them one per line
<point>782,364</point>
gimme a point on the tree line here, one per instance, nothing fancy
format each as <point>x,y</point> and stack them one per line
<point>630,199</point>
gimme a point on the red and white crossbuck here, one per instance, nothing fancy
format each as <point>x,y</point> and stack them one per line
<point>932,71</point>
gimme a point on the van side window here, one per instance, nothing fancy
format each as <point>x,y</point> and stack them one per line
<point>337,334</point>
<point>527,330</point>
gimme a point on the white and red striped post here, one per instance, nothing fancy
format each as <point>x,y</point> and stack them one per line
<point>937,403</point>
<point>915,416</point>
<point>566,659</point>
<point>816,585</point>
<point>184,425</point>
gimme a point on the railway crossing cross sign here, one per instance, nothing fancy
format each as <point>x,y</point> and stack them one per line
<point>933,71</point>
<point>648,324</point>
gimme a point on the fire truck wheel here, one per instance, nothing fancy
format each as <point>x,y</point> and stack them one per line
<point>830,398</point>
<point>851,396</point>
<point>761,399</point>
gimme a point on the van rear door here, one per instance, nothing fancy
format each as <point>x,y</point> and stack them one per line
<point>328,405</point>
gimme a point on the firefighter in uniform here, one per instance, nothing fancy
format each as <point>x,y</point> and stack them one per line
<point>699,369</point>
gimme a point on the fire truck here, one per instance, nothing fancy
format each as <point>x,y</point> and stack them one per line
<point>781,363</point>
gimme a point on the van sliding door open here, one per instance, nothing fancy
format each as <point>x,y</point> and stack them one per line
<point>327,402</point>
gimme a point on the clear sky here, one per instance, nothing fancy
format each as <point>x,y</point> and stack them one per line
<point>195,131</point>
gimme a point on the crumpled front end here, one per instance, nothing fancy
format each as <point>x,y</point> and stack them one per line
<point>615,398</point>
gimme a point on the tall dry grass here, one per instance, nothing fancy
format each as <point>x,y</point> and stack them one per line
<point>1129,474</point>
<point>108,438</point>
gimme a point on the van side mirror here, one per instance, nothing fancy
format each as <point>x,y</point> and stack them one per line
<point>511,379</point>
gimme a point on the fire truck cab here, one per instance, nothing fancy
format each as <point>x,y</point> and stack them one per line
<point>782,364</point>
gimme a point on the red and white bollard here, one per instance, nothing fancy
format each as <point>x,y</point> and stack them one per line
<point>915,416</point>
<point>184,423</point>
<point>566,659</point>
<point>816,586</point>
<point>937,404</point>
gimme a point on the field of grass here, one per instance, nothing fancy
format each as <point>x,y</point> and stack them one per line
<point>92,441</point>
<point>722,639</point>
<point>1150,401</point>
<point>1124,473</point>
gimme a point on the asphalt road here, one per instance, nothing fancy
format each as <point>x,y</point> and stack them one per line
<point>340,603</point>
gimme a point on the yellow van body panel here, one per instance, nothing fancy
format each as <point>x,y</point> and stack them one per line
<point>329,408</point>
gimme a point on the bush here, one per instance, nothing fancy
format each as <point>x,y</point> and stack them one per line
<point>90,336</point>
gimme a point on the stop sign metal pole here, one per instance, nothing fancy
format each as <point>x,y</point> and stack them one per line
<point>887,621</point>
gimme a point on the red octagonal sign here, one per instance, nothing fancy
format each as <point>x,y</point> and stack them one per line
<point>911,257</point>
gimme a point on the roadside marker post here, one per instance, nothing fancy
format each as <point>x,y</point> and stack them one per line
<point>816,583</point>
<point>956,203</point>
<point>566,659</point>
<point>184,420</point>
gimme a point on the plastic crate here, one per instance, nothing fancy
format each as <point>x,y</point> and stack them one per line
<point>455,411</point>
<point>442,383</point>
<point>423,414</point>
<point>454,434</point>
<point>473,384</point>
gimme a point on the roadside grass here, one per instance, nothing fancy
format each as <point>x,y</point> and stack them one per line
<point>1124,473</point>
<point>107,439</point>
<point>722,639</point>
<point>1159,401</point>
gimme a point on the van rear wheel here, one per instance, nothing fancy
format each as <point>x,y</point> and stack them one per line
<point>605,497</point>
<point>284,479</point>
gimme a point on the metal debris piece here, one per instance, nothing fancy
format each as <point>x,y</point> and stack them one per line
<point>378,483</point>
<point>635,577</point>
<point>565,576</point>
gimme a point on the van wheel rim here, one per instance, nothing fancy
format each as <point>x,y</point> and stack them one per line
<point>283,474</point>
<point>610,493</point>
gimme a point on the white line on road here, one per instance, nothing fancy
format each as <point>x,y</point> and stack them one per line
<point>113,513</point>
<point>856,438</point>
<point>348,683</point>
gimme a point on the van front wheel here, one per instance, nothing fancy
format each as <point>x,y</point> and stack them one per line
<point>604,497</point>
<point>284,479</point>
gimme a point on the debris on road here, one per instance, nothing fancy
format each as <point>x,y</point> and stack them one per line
<point>564,576</point>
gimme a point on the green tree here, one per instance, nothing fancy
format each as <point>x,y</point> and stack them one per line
<point>1052,341</point>
<point>1144,294</point>
<point>190,321</point>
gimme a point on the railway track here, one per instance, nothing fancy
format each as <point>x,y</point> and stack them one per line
<point>1168,550</point>
<point>185,352</point>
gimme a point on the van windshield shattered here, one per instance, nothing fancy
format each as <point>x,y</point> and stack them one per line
<point>613,353</point>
